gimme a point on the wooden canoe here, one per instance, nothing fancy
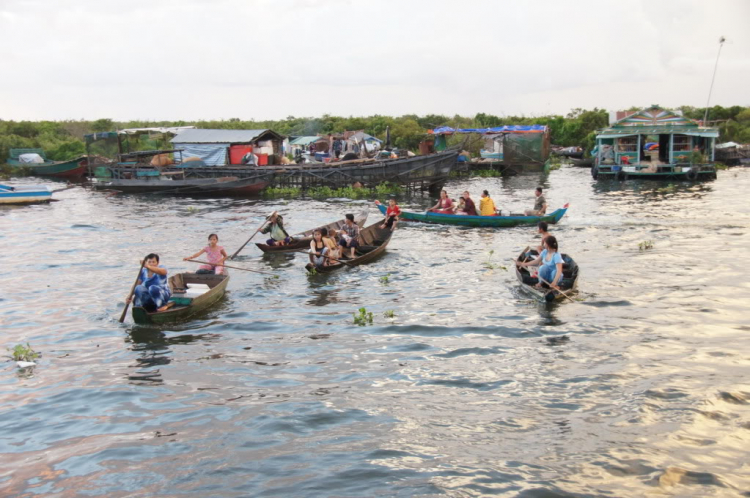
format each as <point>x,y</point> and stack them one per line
<point>302,240</point>
<point>24,194</point>
<point>569,281</point>
<point>185,305</point>
<point>73,168</point>
<point>373,241</point>
<point>480,221</point>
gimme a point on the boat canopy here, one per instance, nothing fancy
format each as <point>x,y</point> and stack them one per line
<point>659,130</point>
<point>447,130</point>
<point>657,121</point>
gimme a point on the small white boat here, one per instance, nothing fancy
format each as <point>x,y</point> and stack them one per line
<point>24,194</point>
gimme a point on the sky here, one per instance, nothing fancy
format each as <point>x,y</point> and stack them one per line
<point>270,59</point>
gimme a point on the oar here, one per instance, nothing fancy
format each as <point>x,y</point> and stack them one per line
<point>132,290</point>
<point>551,289</point>
<point>251,237</point>
<point>328,257</point>
<point>227,266</point>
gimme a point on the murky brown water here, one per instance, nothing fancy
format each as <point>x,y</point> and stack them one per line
<point>276,393</point>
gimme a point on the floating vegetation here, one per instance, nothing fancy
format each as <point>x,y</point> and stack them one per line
<point>282,192</point>
<point>487,173</point>
<point>490,265</point>
<point>389,314</point>
<point>363,318</point>
<point>721,166</point>
<point>312,272</point>
<point>384,279</point>
<point>669,189</point>
<point>23,353</point>
<point>645,245</point>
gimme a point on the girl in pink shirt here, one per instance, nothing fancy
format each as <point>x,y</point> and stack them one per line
<point>215,254</point>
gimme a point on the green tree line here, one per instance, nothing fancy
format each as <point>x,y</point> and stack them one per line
<point>63,140</point>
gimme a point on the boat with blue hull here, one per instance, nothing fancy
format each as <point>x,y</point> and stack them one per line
<point>480,221</point>
<point>24,194</point>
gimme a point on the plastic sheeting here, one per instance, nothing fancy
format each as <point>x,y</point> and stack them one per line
<point>447,130</point>
<point>210,154</point>
<point>30,159</point>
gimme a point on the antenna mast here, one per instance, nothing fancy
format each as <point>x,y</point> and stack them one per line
<point>705,115</point>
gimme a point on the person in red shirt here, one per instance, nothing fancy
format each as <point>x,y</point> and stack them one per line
<point>470,208</point>
<point>391,215</point>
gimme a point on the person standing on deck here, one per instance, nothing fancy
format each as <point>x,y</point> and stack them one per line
<point>540,204</point>
<point>470,208</point>
<point>487,205</point>
<point>337,146</point>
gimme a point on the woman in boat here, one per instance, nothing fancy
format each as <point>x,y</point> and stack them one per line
<point>350,235</point>
<point>550,264</point>
<point>215,254</point>
<point>487,205</point>
<point>275,226</point>
<point>152,291</point>
<point>318,250</point>
<point>391,215</point>
<point>445,204</point>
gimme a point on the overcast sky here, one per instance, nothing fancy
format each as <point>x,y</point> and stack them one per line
<point>269,59</point>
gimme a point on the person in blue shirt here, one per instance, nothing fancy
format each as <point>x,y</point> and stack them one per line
<point>550,263</point>
<point>152,291</point>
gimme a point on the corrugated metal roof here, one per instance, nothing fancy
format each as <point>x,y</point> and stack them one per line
<point>199,136</point>
<point>305,140</point>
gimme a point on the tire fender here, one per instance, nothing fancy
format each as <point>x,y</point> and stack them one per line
<point>595,172</point>
<point>692,175</point>
<point>621,176</point>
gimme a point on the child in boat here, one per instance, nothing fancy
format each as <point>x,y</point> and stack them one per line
<point>152,291</point>
<point>318,250</point>
<point>461,207</point>
<point>329,239</point>
<point>445,204</point>
<point>215,254</point>
<point>275,226</point>
<point>550,264</point>
<point>350,235</point>
<point>391,215</point>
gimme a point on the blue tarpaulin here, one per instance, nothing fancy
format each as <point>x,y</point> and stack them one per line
<point>447,130</point>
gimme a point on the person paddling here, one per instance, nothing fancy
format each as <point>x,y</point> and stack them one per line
<point>550,264</point>
<point>215,254</point>
<point>275,226</point>
<point>540,204</point>
<point>152,292</point>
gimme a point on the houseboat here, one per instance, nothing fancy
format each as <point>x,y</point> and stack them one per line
<point>655,143</point>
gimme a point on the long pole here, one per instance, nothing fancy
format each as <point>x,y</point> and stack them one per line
<point>705,115</point>
<point>132,289</point>
<point>251,237</point>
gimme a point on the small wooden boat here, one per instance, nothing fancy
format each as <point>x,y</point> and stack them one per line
<point>582,163</point>
<point>480,221</point>
<point>568,284</point>
<point>24,194</point>
<point>226,186</point>
<point>73,168</point>
<point>302,240</point>
<point>373,241</point>
<point>186,303</point>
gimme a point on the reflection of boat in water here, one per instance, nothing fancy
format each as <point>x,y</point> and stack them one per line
<point>582,163</point>
<point>373,241</point>
<point>41,166</point>
<point>302,240</point>
<point>568,283</point>
<point>24,194</point>
<point>480,221</point>
<point>187,301</point>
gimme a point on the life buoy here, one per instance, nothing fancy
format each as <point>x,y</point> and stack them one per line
<point>621,176</point>
<point>595,172</point>
<point>692,175</point>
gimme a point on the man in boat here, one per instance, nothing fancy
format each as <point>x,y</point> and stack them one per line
<point>470,208</point>
<point>540,204</point>
<point>275,227</point>
<point>487,205</point>
<point>350,235</point>
<point>542,230</point>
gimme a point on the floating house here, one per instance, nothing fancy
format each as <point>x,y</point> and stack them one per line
<point>227,147</point>
<point>516,146</point>
<point>655,143</point>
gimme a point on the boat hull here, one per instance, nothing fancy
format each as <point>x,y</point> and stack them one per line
<point>181,313</point>
<point>302,240</point>
<point>667,172</point>
<point>192,187</point>
<point>29,194</point>
<point>75,168</point>
<point>368,237</point>
<point>549,295</point>
<point>479,221</point>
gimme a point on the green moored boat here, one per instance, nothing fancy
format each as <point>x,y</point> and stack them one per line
<point>185,305</point>
<point>480,221</point>
<point>73,168</point>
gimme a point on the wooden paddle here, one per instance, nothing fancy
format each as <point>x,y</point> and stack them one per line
<point>328,257</point>
<point>551,289</point>
<point>227,266</point>
<point>253,235</point>
<point>132,290</point>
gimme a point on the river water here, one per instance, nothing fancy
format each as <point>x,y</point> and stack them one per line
<point>467,390</point>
